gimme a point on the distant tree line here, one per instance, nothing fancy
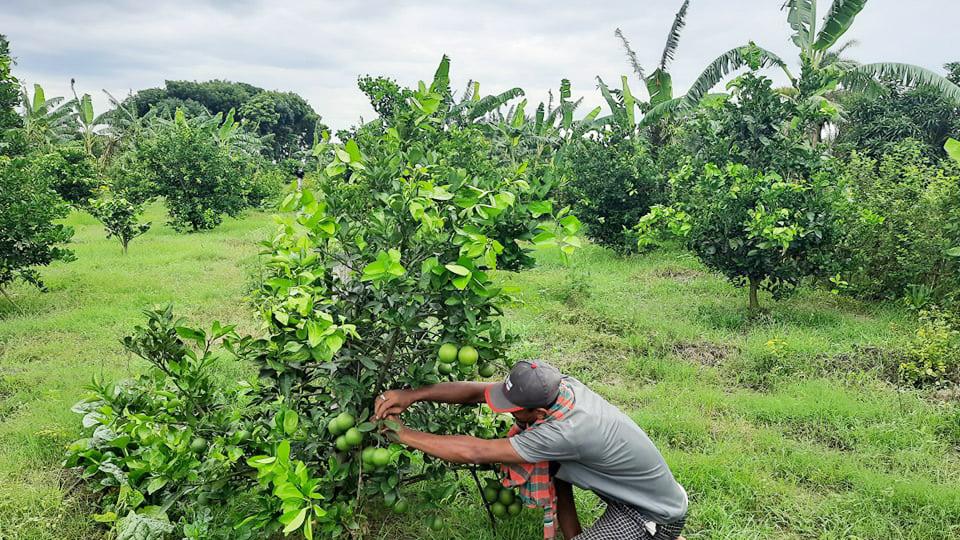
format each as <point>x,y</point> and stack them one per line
<point>284,120</point>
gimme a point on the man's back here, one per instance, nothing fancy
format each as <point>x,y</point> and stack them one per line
<point>600,448</point>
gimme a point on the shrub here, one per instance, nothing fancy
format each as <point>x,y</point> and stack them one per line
<point>933,356</point>
<point>70,171</point>
<point>613,182</point>
<point>759,230</point>
<point>29,234</point>
<point>173,432</point>
<point>265,186</point>
<point>119,217</point>
<point>194,166</point>
<point>356,297</point>
<point>900,224</point>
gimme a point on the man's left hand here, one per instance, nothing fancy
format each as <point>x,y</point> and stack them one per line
<point>392,427</point>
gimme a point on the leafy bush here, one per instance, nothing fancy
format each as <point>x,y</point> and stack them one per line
<point>198,167</point>
<point>172,433</point>
<point>354,300</point>
<point>29,234</point>
<point>613,182</point>
<point>759,230</point>
<point>70,171</point>
<point>119,217</point>
<point>933,357</point>
<point>900,224</point>
<point>265,186</point>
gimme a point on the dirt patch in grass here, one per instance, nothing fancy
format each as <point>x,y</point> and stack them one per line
<point>682,275</point>
<point>703,352</point>
<point>884,362</point>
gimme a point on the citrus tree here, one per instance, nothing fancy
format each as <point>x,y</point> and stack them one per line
<point>200,166</point>
<point>357,295</point>
<point>120,217</point>
<point>30,236</point>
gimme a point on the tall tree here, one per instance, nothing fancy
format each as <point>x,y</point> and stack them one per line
<point>9,93</point>
<point>823,70</point>
<point>286,120</point>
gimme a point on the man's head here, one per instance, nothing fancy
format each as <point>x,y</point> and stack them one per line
<point>528,392</point>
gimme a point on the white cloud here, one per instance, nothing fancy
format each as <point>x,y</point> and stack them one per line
<point>318,48</point>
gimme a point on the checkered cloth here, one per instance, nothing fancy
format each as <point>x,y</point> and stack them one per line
<point>625,522</point>
<point>533,480</point>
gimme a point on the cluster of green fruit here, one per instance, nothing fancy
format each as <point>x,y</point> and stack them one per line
<point>503,501</point>
<point>349,437</point>
<point>465,357</point>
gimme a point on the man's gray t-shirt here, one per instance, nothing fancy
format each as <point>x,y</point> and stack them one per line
<point>600,448</point>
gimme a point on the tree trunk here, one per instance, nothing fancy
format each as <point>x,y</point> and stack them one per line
<point>754,289</point>
<point>124,244</point>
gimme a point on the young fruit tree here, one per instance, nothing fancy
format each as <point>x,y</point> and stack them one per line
<point>198,165</point>
<point>759,230</point>
<point>119,217</point>
<point>356,296</point>
<point>29,234</point>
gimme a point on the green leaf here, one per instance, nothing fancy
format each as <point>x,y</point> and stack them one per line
<point>457,269</point>
<point>294,519</point>
<point>314,333</point>
<point>540,208</point>
<point>802,14</point>
<point>906,74</point>
<point>954,252</point>
<point>837,22</point>
<point>191,333</point>
<point>461,282</point>
<point>290,421</point>
<point>353,150</point>
<point>156,484</point>
<point>287,491</point>
<point>953,149</point>
<point>660,87</point>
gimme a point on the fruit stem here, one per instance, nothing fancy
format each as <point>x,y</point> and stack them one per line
<point>476,479</point>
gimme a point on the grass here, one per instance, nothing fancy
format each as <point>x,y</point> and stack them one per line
<point>779,427</point>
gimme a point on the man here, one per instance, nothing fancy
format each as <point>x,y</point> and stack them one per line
<point>588,442</point>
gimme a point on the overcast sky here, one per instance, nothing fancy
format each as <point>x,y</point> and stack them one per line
<point>318,48</point>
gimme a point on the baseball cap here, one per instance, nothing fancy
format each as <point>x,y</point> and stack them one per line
<point>531,385</point>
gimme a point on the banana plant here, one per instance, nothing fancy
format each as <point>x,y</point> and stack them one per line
<point>824,71</point>
<point>46,122</point>
<point>659,83</point>
<point>83,112</point>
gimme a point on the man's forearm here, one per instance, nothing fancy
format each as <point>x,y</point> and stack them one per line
<point>460,448</point>
<point>452,392</point>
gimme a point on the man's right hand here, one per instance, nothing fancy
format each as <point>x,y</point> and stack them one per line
<point>392,403</point>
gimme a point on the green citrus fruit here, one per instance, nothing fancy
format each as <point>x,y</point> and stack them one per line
<point>445,369</point>
<point>380,457</point>
<point>447,353</point>
<point>467,356</point>
<point>487,370</point>
<point>514,508</point>
<point>342,444</point>
<point>367,455</point>
<point>401,506</point>
<point>353,436</point>
<point>498,509</point>
<point>334,427</point>
<point>506,496</point>
<point>197,445</point>
<point>345,421</point>
<point>490,494</point>
<point>436,523</point>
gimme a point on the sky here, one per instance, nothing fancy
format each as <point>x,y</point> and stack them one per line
<point>318,48</point>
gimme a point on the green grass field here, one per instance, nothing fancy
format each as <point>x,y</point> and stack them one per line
<point>778,427</point>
